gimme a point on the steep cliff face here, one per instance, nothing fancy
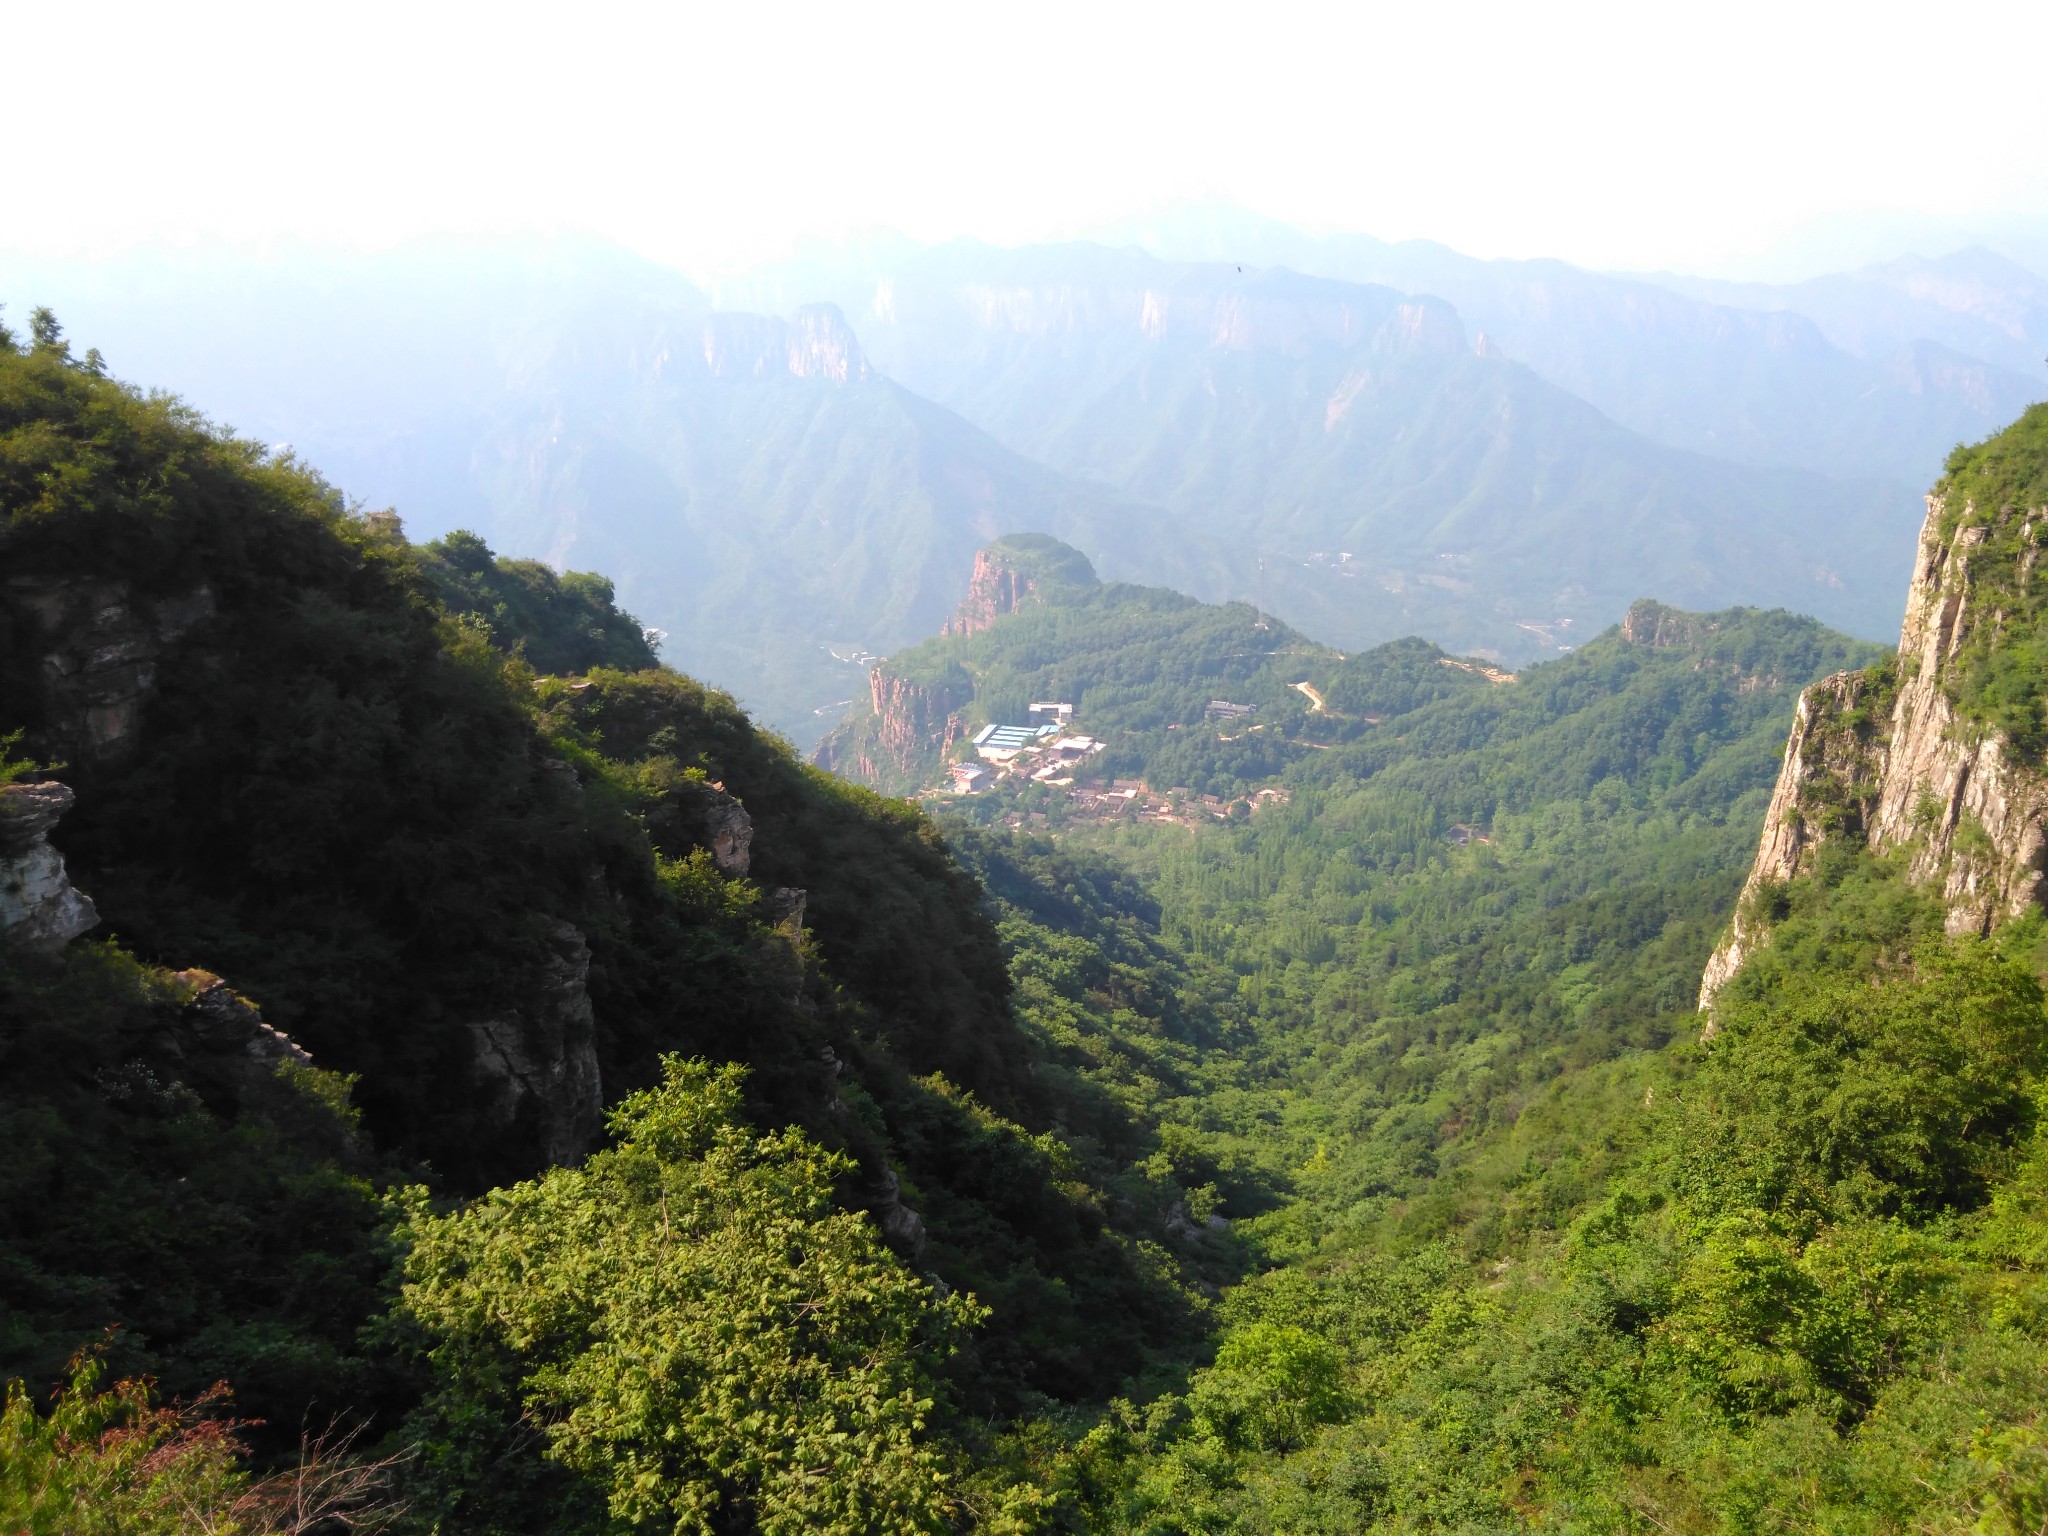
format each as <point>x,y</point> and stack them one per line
<point>996,588</point>
<point>913,722</point>
<point>99,648</point>
<point>1274,311</point>
<point>1012,571</point>
<point>817,344</point>
<point>1834,762</point>
<point>1889,759</point>
<point>537,1064</point>
<point>39,910</point>
<point>728,832</point>
<point>910,723</point>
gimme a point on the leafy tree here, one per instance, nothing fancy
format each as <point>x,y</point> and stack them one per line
<point>1896,1094</point>
<point>114,1463</point>
<point>45,334</point>
<point>1272,1385</point>
<point>564,622</point>
<point>695,1326</point>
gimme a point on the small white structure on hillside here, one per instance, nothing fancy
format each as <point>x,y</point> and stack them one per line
<point>1000,743</point>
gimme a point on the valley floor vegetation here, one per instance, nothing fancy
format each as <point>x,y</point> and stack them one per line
<point>1356,1166</point>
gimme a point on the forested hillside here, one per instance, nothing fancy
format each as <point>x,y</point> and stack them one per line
<point>750,482</point>
<point>1551,1254</point>
<point>490,903</point>
<point>787,488</point>
<point>494,1046</point>
<point>1139,665</point>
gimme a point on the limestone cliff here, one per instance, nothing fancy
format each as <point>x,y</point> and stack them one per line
<point>817,344</point>
<point>1274,311</point>
<point>39,910</point>
<point>910,725</point>
<point>537,1063</point>
<point>728,831</point>
<point>213,1037</point>
<point>1012,571</point>
<point>1886,759</point>
<point>997,587</point>
<point>99,647</point>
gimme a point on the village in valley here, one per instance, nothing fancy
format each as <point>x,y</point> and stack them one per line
<point>1047,752</point>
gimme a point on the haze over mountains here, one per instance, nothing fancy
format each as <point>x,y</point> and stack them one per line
<point>1368,440</point>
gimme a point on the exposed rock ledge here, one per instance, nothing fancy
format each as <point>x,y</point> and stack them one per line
<point>201,1030</point>
<point>40,910</point>
<point>538,1063</point>
<point>1900,772</point>
<point>101,647</point>
<point>223,1023</point>
<point>997,587</point>
<point>728,832</point>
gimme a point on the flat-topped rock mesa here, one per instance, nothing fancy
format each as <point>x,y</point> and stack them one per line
<point>1890,758</point>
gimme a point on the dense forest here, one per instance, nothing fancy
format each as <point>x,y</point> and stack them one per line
<point>509,1092</point>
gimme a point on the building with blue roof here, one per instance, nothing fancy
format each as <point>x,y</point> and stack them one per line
<point>1011,738</point>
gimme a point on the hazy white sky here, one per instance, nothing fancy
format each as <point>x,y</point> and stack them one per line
<point>1619,135</point>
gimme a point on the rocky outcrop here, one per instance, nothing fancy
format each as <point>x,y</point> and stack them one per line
<point>1656,627</point>
<point>996,588</point>
<point>1881,757</point>
<point>197,1029</point>
<point>200,1035</point>
<point>1275,311</point>
<point>1975,816</point>
<point>901,1225</point>
<point>1827,786</point>
<point>218,1023</point>
<point>728,832</point>
<point>100,647</point>
<point>537,1064</point>
<point>817,344</point>
<point>40,911</point>
<point>912,723</point>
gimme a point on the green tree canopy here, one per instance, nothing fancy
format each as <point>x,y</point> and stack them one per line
<point>698,1330</point>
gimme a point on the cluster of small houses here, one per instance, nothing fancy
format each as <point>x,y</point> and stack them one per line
<point>1042,752</point>
<point>1047,750</point>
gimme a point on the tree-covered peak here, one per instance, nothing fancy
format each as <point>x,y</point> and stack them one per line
<point>563,622</point>
<point>1042,560</point>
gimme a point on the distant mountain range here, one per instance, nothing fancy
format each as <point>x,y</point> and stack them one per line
<point>767,499</point>
<point>1369,471</point>
<point>1874,373</point>
<point>1366,440</point>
